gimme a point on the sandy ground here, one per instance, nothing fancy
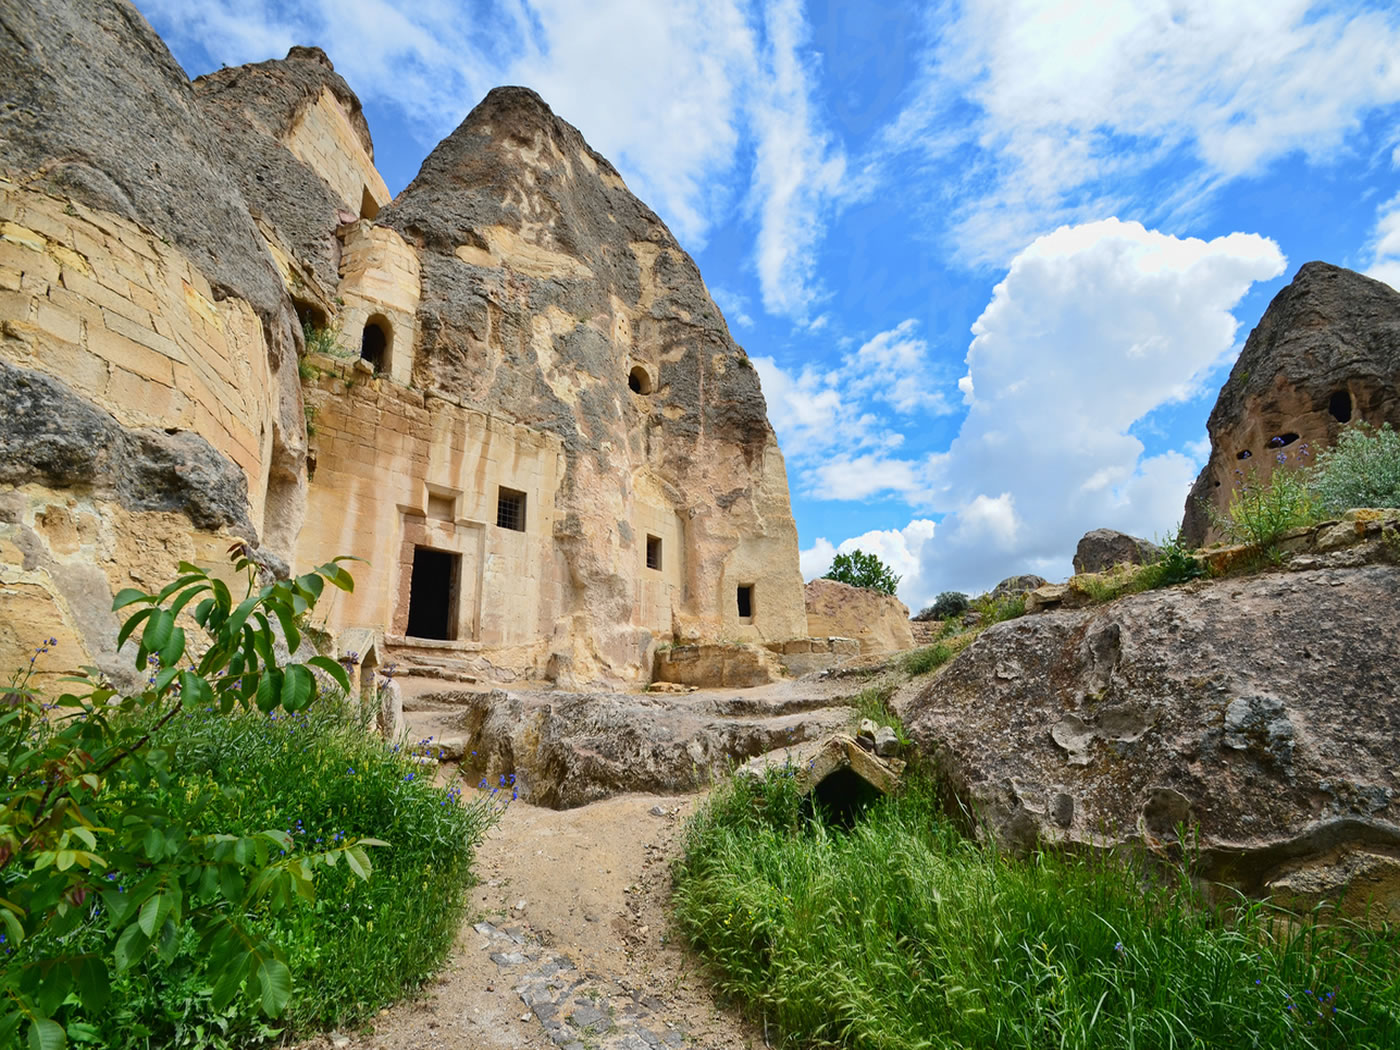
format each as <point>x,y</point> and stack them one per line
<point>589,885</point>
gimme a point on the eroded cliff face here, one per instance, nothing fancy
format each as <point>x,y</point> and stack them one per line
<point>147,345</point>
<point>550,294</point>
<point>1325,353</point>
<point>532,424</point>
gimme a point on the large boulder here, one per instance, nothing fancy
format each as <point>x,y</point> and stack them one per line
<point>879,622</point>
<point>1326,352</point>
<point>568,749</point>
<point>1263,712</point>
<point>1102,549</point>
<point>1015,586</point>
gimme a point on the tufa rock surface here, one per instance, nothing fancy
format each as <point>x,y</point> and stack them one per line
<point>98,109</point>
<point>568,749</point>
<point>1264,711</point>
<point>256,110</point>
<point>1013,586</point>
<point>1102,549</point>
<point>879,622</point>
<point>1326,352</point>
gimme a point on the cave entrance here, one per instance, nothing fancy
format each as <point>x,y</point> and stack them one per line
<point>843,796</point>
<point>432,595</point>
<point>1339,405</point>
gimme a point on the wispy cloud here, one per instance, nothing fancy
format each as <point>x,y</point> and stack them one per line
<point>1062,106</point>
<point>681,96</point>
<point>840,424</point>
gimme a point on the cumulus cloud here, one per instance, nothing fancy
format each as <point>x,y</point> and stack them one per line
<point>900,549</point>
<point>1069,101</point>
<point>1093,327</point>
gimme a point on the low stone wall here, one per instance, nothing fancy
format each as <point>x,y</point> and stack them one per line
<point>718,665</point>
<point>805,655</point>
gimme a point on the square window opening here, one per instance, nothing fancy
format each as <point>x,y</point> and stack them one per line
<point>654,552</point>
<point>441,508</point>
<point>510,510</point>
<point>745,600</point>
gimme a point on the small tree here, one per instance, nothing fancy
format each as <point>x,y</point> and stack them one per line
<point>79,845</point>
<point>1361,470</point>
<point>863,570</point>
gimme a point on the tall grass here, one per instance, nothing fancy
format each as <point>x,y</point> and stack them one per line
<point>319,776</point>
<point>901,934</point>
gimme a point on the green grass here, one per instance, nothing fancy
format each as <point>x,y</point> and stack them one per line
<point>359,945</point>
<point>901,934</point>
<point>927,658</point>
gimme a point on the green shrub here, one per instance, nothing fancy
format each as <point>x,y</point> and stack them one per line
<point>995,610</point>
<point>323,340</point>
<point>1174,564</point>
<point>946,605</point>
<point>901,933</point>
<point>158,856</point>
<point>926,659</point>
<point>1361,470</point>
<point>863,570</point>
<point>1259,513</point>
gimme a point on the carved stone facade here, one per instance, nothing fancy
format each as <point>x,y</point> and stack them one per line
<point>521,408</point>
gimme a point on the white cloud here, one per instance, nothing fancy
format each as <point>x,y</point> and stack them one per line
<point>1073,100</point>
<point>798,170</point>
<point>1385,244</point>
<point>734,306</point>
<point>839,425</point>
<point>678,96</point>
<point>900,549</point>
<point>1093,327</point>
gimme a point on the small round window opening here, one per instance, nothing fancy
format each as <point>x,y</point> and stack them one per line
<point>638,381</point>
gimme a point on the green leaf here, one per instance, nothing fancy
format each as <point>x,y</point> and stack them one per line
<point>131,945</point>
<point>269,691</point>
<point>82,1032</point>
<point>227,986</point>
<point>166,676</point>
<point>132,623</point>
<point>129,596</point>
<point>333,669</point>
<point>171,652</point>
<point>230,883</point>
<point>358,860</point>
<point>188,596</point>
<point>153,913</point>
<point>298,687</point>
<point>183,581</point>
<point>241,614</point>
<point>194,689</point>
<point>202,611</point>
<point>14,930</point>
<point>46,1034</point>
<point>157,631</point>
<point>276,982</point>
<point>94,983</point>
<point>289,627</point>
<point>311,584</point>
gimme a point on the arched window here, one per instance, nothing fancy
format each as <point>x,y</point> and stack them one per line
<point>375,343</point>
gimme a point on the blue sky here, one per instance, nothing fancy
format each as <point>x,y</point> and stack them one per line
<point>992,260</point>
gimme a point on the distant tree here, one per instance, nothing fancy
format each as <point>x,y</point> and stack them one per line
<point>863,570</point>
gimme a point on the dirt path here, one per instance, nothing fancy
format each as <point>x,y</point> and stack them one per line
<point>570,945</point>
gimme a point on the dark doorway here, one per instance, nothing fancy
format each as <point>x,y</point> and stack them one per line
<point>374,345</point>
<point>432,594</point>
<point>745,601</point>
<point>1339,404</point>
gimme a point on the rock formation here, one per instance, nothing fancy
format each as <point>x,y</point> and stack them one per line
<point>1101,549</point>
<point>1325,353</point>
<point>525,412</point>
<point>1261,710</point>
<point>879,622</point>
